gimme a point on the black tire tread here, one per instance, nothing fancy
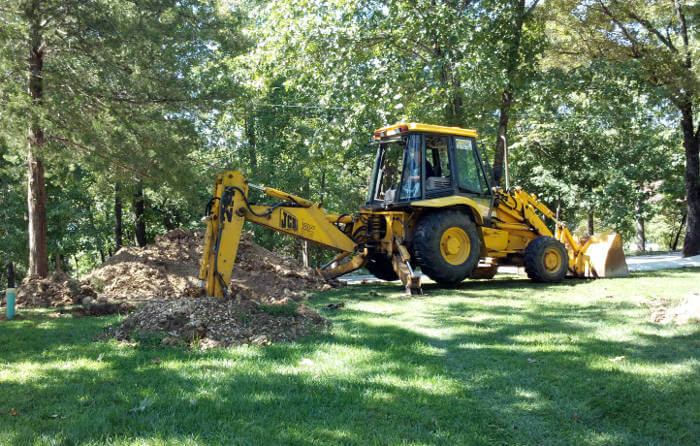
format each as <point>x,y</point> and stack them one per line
<point>427,251</point>
<point>534,267</point>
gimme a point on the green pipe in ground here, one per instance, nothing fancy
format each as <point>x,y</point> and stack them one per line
<point>10,293</point>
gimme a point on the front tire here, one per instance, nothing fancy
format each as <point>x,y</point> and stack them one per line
<point>546,260</point>
<point>447,246</point>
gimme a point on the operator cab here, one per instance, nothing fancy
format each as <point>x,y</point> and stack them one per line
<point>418,162</point>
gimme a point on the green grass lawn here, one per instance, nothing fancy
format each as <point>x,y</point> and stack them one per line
<point>490,362</point>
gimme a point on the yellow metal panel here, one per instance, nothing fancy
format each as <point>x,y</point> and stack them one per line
<point>418,127</point>
<point>225,232</point>
<point>454,200</point>
<point>282,195</point>
<point>517,241</point>
<point>307,223</point>
<point>494,239</point>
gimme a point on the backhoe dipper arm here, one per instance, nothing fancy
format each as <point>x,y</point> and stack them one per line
<point>229,208</point>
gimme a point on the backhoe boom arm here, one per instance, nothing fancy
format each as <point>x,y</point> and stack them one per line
<point>229,208</point>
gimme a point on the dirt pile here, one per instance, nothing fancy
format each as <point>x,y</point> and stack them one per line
<point>687,311</point>
<point>166,269</point>
<point>56,290</point>
<point>213,322</point>
<point>162,270</point>
<point>262,306</point>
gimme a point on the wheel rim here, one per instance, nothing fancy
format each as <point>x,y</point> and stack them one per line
<point>455,246</point>
<point>552,260</point>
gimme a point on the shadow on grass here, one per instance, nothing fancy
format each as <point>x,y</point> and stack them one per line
<point>379,380</point>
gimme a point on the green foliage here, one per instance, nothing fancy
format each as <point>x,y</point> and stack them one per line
<point>163,95</point>
<point>591,143</point>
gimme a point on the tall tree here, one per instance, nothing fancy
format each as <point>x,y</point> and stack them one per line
<point>113,84</point>
<point>36,16</point>
<point>660,39</point>
<point>118,233</point>
<point>519,59</point>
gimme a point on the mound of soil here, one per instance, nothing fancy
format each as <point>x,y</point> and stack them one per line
<point>166,269</point>
<point>687,311</point>
<point>56,290</point>
<point>262,306</point>
<point>162,270</point>
<point>224,322</point>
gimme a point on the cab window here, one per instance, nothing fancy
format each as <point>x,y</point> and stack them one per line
<point>437,163</point>
<point>469,172</point>
<point>387,171</point>
<point>411,176</point>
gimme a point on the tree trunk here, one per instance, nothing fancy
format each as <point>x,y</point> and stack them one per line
<point>102,256</point>
<point>674,244</point>
<point>455,106</point>
<point>57,262</point>
<point>323,187</point>
<point>10,275</point>
<point>118,234</point>
<point>507,96</point>
<point>590,230</point>
<point>305,253</point>
<point>499,154</point>
<point>36,184</point>
<point>641,237</point>
<point>691,144</point>
<point>36,205</point>
<point>139,217</point>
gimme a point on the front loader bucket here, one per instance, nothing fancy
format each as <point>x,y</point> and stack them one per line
<point>604,256</point>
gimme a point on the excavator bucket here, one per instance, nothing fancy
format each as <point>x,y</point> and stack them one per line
<point>603,256</point>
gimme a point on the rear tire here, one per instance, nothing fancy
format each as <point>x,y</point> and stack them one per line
<point>546,260</point>
<point>380,266</point>
<point>447,246</point>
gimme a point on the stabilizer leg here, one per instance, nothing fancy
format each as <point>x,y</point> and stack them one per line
<point>401,261</point>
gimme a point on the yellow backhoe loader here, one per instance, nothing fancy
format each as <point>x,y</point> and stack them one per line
<point>430,205</point>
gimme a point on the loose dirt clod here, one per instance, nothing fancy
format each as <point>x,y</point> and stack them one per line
<point>215,322</point>
<point>687,311</point>
<point>56,290</point>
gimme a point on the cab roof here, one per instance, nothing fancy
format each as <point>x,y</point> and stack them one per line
<point>404,127</point>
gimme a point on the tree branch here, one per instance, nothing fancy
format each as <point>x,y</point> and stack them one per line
<point>649,27</point>
<point>529,10</point>
<point>684,32</point>
<point>98,154</point>
<point>635,44</point>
